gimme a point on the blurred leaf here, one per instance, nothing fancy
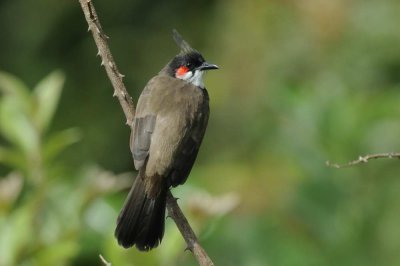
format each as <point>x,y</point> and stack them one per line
<point>12,158</point>
<point>47,94</point>
<point>16,127</point>
<point>14,88</point>
<point>10,188</point>
<point>57,253</point>
<point>16,232</point>
<point>59,141</point>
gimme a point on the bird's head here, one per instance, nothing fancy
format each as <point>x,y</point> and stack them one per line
<point>189,64</point>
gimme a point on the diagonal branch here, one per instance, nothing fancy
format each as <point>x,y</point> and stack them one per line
<point>365,159</point>
<point>107,60</point>
<point>128,107</point>
<point>187,232</point>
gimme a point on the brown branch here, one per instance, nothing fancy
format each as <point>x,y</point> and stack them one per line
<point>107,60</point>
<point>183,225</point>
<point>129,110</point>
<point>365,159</point>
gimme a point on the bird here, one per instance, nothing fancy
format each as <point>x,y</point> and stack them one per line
<point>171,119</point>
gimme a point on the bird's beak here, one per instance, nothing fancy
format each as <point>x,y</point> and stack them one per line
<point>207,66</point>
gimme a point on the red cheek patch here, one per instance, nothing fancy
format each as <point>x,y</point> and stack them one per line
<point>182,71</point>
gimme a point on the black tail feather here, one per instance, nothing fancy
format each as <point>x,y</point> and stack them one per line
<point>141,220</point>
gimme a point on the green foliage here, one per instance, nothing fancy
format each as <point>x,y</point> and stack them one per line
<point>24,118</point>
<point>30,233</point>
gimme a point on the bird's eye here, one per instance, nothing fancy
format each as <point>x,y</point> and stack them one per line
<point>189,65</point>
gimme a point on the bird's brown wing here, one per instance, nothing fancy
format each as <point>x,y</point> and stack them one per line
<point>143,127</point>
<point>141,138</point>
<point>147,113</point>
<point>165,121</point>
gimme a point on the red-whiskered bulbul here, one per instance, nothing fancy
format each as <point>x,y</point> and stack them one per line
<point>171,118</point>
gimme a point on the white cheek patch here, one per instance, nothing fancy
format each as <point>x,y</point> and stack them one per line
<point>196,78</point>
<point>186,76</point>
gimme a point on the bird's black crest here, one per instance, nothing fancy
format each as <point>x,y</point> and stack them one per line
<point>185,47</point>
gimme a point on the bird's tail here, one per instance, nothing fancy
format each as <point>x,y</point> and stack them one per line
<point>141,220</point>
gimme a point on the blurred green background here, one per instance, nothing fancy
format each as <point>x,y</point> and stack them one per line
<point>301,82</point>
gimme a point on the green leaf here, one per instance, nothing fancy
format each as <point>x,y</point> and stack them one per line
<point>16,127</point>
<point>12,158</point>
<point>47,94</point>
<point>57,253</point>
<point>16,232</point>
<point>61,140</point>
<point>12,87</point>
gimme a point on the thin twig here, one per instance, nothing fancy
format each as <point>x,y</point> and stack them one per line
<point>128,107</point>
<point>365,159</point>
<point>103,260</point>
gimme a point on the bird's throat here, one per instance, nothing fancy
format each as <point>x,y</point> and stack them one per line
<point>195,78</point>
